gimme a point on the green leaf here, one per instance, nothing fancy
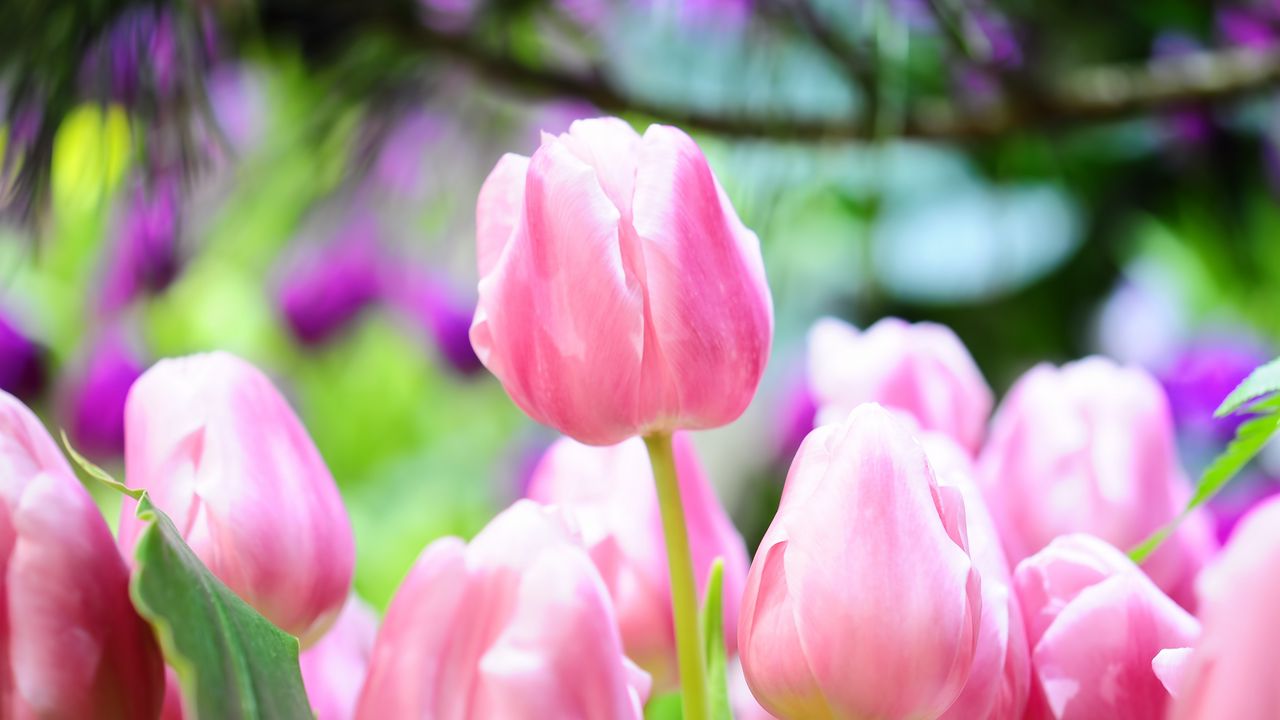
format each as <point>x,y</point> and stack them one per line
<point>231,661</point>
<point>664,707</point>
<point>712,622</point>
<point>1265,380</point>
<point>1250,438</point>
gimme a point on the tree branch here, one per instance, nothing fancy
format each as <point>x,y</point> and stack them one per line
<point>1080,97</point>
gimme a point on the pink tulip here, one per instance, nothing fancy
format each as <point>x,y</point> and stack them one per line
<point>862,601</point>
<point>619,293</point>
<point>610,493</point>
<point>1231,672</point>
<point>333,669</point>
<point>1096,623</point>
<point>742,703</point>
<point>921,369</point>
<point>999,681</point>
<point>515,625</point>
<point>221,452</point>
<point>1089,447</point>
<point>71,644</point>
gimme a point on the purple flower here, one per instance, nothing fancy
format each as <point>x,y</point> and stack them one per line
<point>136,57</point>
<point>22,363</point>
<point>1248,28</point>
<point>400,165</point>
<point>1202,374</point>
<point>95,406</point>
<point>146,259</point>
<point>432,305</point>
<point>328,287</point>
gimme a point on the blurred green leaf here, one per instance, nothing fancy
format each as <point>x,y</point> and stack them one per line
<point>664,707</point>
<point>712,622</point>
<point>1250,438</point>
<point>1263,381</point>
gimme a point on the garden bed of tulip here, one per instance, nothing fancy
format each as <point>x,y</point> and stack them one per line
<point>932,556</point>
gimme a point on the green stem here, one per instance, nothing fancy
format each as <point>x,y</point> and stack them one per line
<point>684,592</point>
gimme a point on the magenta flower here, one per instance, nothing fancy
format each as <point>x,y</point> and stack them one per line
<point>22,362</point>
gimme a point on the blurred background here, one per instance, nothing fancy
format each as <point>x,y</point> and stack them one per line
<point>296,182</point>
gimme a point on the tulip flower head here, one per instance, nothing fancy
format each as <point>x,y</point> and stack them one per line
<point>1089,447</point>
<point>610,494</point>
<point>999,681</point>
<point>1231,671</point>
<point>862,601</point>
<point>222,454</point>
<point>619,292</point>
<point>921,369</point>
<point>1096,624</point>
<point>517,624</point>
<point>72,644</point>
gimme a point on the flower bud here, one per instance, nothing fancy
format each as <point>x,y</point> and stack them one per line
<point>619,293</point>
<point>517,624</point>
<point>1231,671</point>
<point>862,600</point>
<point>921,369</point>
<point>1089,447</point>
<point>72,644</point>
<point>222,454</point>
<point>1096,623</point>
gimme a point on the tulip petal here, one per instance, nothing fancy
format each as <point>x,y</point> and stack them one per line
<point>407,672</point>
<point>876,517</point>
<point>499,209</point>
<point>709,315</point>
<point>76,645</point>
<point>562,303</point>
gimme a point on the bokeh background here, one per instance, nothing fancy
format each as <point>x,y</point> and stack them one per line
<point>295,182</point>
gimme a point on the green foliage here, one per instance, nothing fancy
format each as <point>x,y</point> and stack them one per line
<point>664,707</point>
<point>1263,381</point>
<point>231,661</point>
<point>1250,438</point>
<point>712,622</point>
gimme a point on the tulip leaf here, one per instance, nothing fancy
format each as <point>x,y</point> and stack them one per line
<point>1250,438</point>
<point>1265,380</point>
<point>230,660</point>
<point>713,643</point>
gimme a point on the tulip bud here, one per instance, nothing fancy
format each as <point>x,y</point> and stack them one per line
<point>333,669</point>
<point>1096,623</point>
<point>999,681</point>
<point>72,645</point>
<point>515,625</point>
<point>1231,672</point>
<point>222,453</point>
<point>1089,447</point>
<point>619,293</point>
<point>921,369</point>
<point>610,493</point>
<point>741,702</point>
<point>862,600</point>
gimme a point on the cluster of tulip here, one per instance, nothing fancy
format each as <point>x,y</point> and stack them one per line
<point>918,566</point>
